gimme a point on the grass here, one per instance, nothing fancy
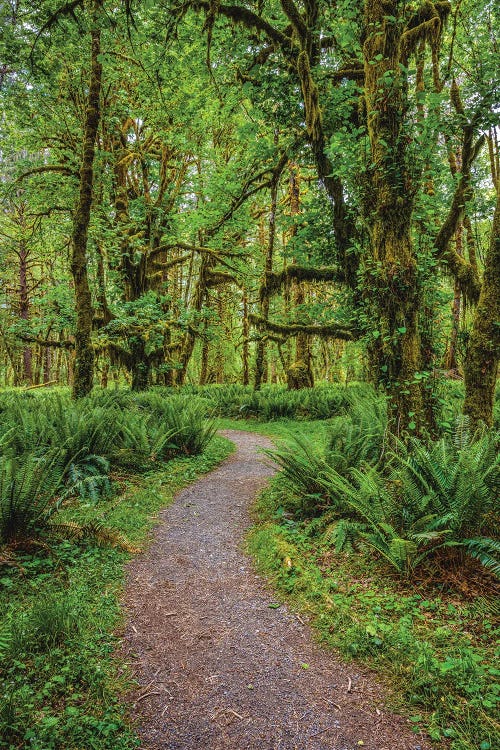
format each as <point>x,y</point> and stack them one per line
<point>60,621</point>
<point>436,645</point>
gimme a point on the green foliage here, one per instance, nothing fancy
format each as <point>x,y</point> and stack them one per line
<point>438,650</point>
<point>275,402</point>
<point>185,417</point>
<point>422,498</point>
<point>30,493</point>
<point>61,682</point>
<point>487,551</point>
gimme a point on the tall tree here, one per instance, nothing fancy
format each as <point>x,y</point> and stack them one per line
<point>84,361</point>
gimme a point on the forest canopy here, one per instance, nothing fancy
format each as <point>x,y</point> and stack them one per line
<point>252,192</point>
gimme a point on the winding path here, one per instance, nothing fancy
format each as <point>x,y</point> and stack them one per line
<point>218,669</point>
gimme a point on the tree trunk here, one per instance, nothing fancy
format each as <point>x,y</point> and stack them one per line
<point>451,363</point>
<point>483,352</point>
<point>260,353</point>
<point>198,300</point>
<point>84,360</point>
<point>245,333</point>
<point>140,364</point>
<point>299,374</point>
<point>24,309</point>
<point>205,351</point>
<point>392,292</point>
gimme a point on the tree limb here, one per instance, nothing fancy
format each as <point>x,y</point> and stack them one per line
<point>329,330</point>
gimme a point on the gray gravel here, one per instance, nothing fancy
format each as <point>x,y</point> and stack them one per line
<point>218,669</point>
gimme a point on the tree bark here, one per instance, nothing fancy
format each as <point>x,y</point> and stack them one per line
<point>260,352</point>
<point>245,334</point>
<point>483,352</point>
<point>392,292</point>
<point>299,374</point>
<point>84,360</point>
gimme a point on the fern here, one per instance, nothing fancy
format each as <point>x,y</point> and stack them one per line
<point>426,497</point>
<point>88,478</point>
<point>487,551</point>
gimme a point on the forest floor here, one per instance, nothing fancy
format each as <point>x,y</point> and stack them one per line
<point>220,664</point>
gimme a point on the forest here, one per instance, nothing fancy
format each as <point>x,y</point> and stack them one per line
<point>281,219</point>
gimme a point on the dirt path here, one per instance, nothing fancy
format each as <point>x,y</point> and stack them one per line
<point>219,669</point>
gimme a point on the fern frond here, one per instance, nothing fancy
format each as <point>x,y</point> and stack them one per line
<point>486,550</point>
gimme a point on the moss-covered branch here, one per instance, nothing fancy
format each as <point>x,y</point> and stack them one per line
<point>328,330</point>
<point>464,272</point>
<point>165,265</point>
<point>51,343</point>
<point>217,278</point>
<point>57,168</point>
<point>275,281</point>
<point>251,20</point>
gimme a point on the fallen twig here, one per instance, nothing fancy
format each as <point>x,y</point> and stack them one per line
<point>335,705</point>
<point>146,695</point>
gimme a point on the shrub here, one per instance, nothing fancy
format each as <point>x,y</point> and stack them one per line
<point>422,498</point>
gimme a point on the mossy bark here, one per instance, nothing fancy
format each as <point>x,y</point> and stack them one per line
<point>139,364</point>
<point>299,374</point>
<point>245,346</point>
<point>260,351</point>
<point>483,352</point>
<point>392,292</point>
<point>199,296</point>
<point>84,352</point>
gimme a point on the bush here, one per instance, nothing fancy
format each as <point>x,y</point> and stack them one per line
<point>420,499</point>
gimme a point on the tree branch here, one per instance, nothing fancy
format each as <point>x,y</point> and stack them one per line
<point>330,330</point>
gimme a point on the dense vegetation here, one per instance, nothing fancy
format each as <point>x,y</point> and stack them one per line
<point>257,211</point>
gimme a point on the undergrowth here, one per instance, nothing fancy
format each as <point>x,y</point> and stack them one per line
<point>434,637</point>
<point>61,686</point>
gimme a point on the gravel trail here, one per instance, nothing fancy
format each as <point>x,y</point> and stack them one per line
<point>218,669</point>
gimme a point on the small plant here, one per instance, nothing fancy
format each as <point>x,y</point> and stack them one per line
<point>30,492</point>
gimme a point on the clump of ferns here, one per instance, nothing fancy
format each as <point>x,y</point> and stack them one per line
<point>33,490</point>
<point>406,502</point>
<point>302,469</point>
<point>353,442</point>
<point>441,496</point>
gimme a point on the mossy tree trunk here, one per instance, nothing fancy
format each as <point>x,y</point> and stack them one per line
<point>198,301</point>
<point>139,363</point>
<point>246,335</point>
<point>84,359</point>
<point>265,297</point>
<point>483,352</point>
<point>299,374</point>
<point>391,278</point>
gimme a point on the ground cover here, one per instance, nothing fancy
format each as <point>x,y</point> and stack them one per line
<point>60,604</point>
<point>434,638</point>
